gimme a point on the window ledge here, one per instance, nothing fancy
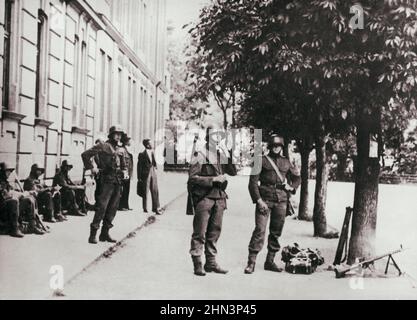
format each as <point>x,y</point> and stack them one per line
<point>43,122</point>
<point>7,114</point>
<point>80,130</point>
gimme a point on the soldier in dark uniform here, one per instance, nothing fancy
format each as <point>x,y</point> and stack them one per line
<point>9,204</point>
<point>270,191</point>
<point>16,206</point>
<point>113,171</point>
<point>72,195</point>
<point>207,184</point>
<point>49,199</point>
<point>124,200</point>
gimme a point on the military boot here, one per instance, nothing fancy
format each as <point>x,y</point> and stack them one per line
<point>250,268</point>
<point>212,266</point>
<point>270,264</point>
<point>48,217</point>
<point>198,267</point>
<point>16,233</point>
<point>105,236</point>
<point>93,233</point>
<point>33,228</point>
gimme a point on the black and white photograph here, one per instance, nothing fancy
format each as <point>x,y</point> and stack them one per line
<point>211,154</point>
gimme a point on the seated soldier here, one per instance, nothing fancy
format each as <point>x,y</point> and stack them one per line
<point>72,195</point>
<point>49,199</point>
<point>16,206</point>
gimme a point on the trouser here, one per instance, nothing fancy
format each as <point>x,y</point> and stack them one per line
<point>74,200</point>
<point>49,204</point>
<point>108,203</point>
<point>278,213</point>
<point>98,189</point>
<point>207,227</point>
<point>124,200</point>
<point>9,210</point>
<point>27,208</point>
<point>152,186</point>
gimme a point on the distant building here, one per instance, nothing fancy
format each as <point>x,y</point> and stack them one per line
<point>71,69</point>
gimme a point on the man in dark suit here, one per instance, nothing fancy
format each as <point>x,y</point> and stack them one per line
<point>147,179</point>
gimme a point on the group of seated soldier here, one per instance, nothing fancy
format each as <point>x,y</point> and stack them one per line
<point>22,206</point>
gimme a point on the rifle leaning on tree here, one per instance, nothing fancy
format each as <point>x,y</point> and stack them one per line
<point>341,272</point>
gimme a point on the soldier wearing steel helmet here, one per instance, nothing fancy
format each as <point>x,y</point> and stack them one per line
<point>207,184</point>
<point>112,169</point>
<point>269,190</point>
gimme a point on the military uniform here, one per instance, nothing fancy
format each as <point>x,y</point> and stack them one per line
<point>269,187</point>
<point>9,209</point>
<point>112,169</point>
<point>16,207</point>
<point>209,199</point>
<point>49,200</point>
<point>72,196</point>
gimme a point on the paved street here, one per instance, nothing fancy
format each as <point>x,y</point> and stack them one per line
<point>155,263</point>
<point>25,263</point>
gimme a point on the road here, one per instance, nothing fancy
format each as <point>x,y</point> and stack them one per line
<point>155,264</point>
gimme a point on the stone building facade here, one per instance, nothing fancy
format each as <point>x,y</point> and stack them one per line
<point>69,69</point>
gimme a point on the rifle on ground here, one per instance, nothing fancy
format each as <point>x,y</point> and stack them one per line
<point>341,272</point>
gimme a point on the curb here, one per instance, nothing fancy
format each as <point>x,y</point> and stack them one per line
<point>114,248</point>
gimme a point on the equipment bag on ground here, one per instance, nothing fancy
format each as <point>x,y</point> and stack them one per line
<point>301,261</point>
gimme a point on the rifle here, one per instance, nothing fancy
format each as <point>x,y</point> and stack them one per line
<point>341,272</point>
<point>37,217</point>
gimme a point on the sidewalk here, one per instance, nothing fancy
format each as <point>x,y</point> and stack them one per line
<point>25,263</point>
<point>145,269</point>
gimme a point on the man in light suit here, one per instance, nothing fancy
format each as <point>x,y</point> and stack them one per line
<point>147,179</point>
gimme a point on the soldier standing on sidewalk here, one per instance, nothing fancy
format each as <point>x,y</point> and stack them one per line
<point>269,189</point>
<point>207,184</point>
<point>113,171</point>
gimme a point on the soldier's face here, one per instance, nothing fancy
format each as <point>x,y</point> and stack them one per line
<point>117,137</point>
<point>277,145</point>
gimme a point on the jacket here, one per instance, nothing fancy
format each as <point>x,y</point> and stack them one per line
<point>265,184</point>
<point>111,162</point>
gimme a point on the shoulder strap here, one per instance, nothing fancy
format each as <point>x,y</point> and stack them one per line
<point>273,164</point>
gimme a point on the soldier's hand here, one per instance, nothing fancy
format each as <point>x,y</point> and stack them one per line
<point>263,207</point>
<point>220,179</point>
<point>288,188</point>
<point>95,171</point>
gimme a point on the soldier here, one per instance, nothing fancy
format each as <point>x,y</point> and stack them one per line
<point>49,199</point>
<point>9,203</point>
<point>278,178</point>
<point>124,200</point>
<point>112,170</point>
<point>16,205</point>
<point>207,184</point>
<point>72,195</point>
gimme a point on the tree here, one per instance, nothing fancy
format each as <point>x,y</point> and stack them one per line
<point>245,47</point>
<point>355,76</point>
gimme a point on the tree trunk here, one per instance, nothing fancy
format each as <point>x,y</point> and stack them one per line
<point>322,168</point>
<point>303,206</point>
<point>367,170</point>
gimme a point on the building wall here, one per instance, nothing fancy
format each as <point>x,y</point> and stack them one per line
<point>75,69</point>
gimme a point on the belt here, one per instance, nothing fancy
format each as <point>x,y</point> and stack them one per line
<point>278,186</point>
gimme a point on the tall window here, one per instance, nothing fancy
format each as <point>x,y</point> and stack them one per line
<point>109,90</point>
<point>129,105</point>
<point>102,89</point>
<point>39,52</point>
<point>120,96</point>
<point>84,83</point>
<point>6,54</point>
